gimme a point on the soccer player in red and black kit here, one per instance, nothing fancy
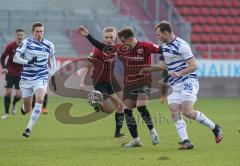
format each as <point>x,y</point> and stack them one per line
<point>136,85</point>
<point>13,73</point>
<point>104,79</point>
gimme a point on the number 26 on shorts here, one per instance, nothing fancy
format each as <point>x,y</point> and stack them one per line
<point>188,86</point>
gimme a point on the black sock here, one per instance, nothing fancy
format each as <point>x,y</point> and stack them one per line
<point>131,123</point>
<point>16,99</point>
<point>45,101</point>
<point>119,118</point>
<point>7,101</point>
<point>146,116</point>
<point>33,101</point>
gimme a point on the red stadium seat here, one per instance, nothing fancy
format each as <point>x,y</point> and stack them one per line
<point>230,20</point>
<point>218,3</point>
<point>211,20</point>
<point>234,12</point>
<point>227,29</point>
<point>226,56</point>
<point>205,55</point>
<point>204,11</point>
<point>214,11</point>
<point>195,38</point>
<point>217,56</point>
<point>237,49</point>
<point>220,20</point>
<point>227,3</point>
<point>201,47</point>
<point>238,20</point>
<point>201,20</point>
<point>204,38</point>
<point>224,12</point>
<point>214,38</point>
<point>234,39</point>
<point>207,29</point>
<point>197,29</point>
<point>217,29</point>
<point>236,3</point>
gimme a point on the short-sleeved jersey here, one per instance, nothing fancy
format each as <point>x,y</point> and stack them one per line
<point>14,69</point>
<point>103,66</point>
<point>134,61</point>
<point>176,54</point>
<point>43,50</point>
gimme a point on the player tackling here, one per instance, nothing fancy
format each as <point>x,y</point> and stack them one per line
<point>104,79</point>
<point>34,53</point>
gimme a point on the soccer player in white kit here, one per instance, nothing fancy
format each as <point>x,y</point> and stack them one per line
<point>34,53</point>
<point>181,66</point>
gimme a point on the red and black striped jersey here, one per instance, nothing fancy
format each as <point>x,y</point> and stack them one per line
<point>103,66</point>
<point>135,60</point>
<point>14,69</point>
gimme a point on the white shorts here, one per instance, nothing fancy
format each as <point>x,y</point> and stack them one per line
<point>184,91</point>
<point>28,88</point>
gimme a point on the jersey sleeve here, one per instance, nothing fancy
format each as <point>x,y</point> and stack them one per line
<point>22,47</point>
<point>186,51</point>
<point>52,50</point>
<point>154,48</point>
<point>5,53</point>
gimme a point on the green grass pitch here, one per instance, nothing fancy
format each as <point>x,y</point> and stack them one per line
<point>53,143</point>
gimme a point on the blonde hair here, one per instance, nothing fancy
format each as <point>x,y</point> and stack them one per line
<point>110,29</point>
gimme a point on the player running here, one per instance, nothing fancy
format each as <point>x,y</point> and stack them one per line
<point>33,53</point>
<point>135,55</point>
<point>104,79</point>
<point>13,72</point>
<point>182,66</point>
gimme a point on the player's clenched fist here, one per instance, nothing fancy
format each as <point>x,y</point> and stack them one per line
<point>83,31</point>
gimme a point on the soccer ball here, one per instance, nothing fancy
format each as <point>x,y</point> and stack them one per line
<point>95,98</point>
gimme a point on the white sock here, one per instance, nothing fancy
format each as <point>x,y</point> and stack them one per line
<point>153,131</point>
<point>181,129</point>
<point>35,115</point>
<point>201,118</point>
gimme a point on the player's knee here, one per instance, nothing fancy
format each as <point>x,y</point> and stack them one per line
<point>186,112</point>
<point>120,108</point>
<point>39,99</point>
<point>8,93</point>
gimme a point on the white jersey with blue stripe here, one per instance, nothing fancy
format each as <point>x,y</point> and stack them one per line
<point>175,55</point>
<point>42,50</point>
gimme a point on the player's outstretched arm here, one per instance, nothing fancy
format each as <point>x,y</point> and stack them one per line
<point>18,59</point>
<point>84,32</point>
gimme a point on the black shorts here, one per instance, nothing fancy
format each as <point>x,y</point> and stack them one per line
<point>12,81</point>
<point>132,92</point>
<point>108,89</point>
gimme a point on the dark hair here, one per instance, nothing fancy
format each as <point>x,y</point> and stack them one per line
<point>164,26</point>
<point>19,30</point>
<point>36,24</point>
<point>126,33</point>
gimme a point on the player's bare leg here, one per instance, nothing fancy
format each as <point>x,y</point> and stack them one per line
<point>7,101</point>
<point>180,124</point>
<point>39,94</point>
<point>141,106</point>
<point>27,105</point>
<point>187,110</point>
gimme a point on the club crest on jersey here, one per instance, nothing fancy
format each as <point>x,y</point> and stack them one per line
<point>140,51</point>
